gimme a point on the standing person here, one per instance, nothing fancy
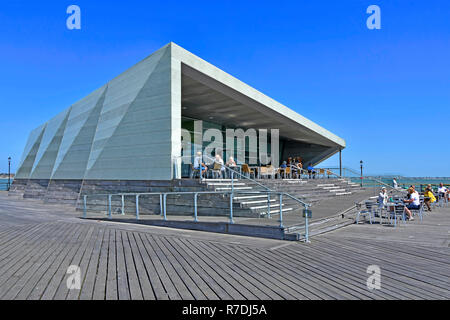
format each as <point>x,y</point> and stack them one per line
<point>394,183</point>
<point>382,198</point>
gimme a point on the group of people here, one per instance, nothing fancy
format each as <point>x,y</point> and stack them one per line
<point>201,166</point>
<point>296,165</point>
<point>412,201</point>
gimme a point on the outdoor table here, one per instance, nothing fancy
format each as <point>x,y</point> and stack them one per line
<point>257,170</point>
<point>236,168</point>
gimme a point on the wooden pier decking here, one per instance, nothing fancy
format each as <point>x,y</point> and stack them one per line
<point>126,261</point>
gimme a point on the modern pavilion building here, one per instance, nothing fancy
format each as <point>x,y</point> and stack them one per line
<point>130,129</point>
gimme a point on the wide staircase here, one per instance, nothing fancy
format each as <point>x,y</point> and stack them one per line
<point>311,191</point>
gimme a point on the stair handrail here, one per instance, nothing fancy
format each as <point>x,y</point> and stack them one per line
<point>363,177</point>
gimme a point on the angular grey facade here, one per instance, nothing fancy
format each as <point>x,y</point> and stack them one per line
<point>130,129</point>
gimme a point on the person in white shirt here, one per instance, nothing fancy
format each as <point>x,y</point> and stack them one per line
<point>219,160</point>
<point>382,198</point>
<point>198,162</point>
<point>394,183</point>
<point>442,191</point>
<point>413,202</point>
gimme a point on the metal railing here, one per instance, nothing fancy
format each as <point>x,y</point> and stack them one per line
<point>377,182</point>
<point>163,203</point>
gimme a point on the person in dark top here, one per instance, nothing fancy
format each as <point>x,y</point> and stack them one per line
<point>311,171</point>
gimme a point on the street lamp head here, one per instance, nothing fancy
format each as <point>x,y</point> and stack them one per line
<point>9,158</point>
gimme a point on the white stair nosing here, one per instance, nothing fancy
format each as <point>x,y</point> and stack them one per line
<point>249,197</point>
<point>262,207</point>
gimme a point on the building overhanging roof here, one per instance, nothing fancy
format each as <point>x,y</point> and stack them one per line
<point>247,107</point>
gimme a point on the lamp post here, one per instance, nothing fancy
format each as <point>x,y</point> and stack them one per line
<point>361,163</point>
<point>9,172</point>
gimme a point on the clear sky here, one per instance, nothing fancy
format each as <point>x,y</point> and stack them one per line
<point>386,92</point>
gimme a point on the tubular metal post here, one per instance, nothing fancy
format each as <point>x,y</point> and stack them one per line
<point>84,206</point>
<point>137,207</point>
<point>109,207</point>
<point>161,204</point>
<point>268,205</point>
<point>123,205</point>
<point>306,226</point>
<point>231,208</point>
<point>195,207</point>
<point>281,210</point>
<point>232,182</point>
<point>165,206</point>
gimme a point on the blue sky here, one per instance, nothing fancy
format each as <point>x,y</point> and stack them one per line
<point>386,92</point>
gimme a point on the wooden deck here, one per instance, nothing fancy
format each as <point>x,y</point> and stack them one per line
<point>124,261</point>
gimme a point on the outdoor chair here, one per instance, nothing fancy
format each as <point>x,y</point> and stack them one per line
<point>419,211</point>
<point>399,210</point>
<point>262,172</point>
<point>217,170</point>
<point>247,171</point>
<point>329,173</point>
<point>287,173</point>
<point>194,172</point>
<point>364,212</point>
<point>321,172</point>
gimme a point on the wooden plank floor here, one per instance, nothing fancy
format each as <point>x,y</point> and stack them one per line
<point>124,261</point>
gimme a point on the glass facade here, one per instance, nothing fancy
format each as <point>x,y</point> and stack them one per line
<point>250,156</point>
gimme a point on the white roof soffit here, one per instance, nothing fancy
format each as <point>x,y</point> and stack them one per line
<point>216,79</point>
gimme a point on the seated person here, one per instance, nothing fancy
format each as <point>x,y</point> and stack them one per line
<point>413,202</point>
<point>442,191</point>
<point>231,162</point>
<point>219,160</point>
<point>283,167</point>
<point>429,197</point>
<point>198,162</point>
<point>311,171</point>
<point>294,167</point>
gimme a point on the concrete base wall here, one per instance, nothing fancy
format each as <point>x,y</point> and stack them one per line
<point>71,192</point>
